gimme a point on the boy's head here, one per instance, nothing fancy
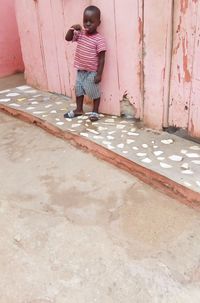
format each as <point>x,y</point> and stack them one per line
<point>91,19</point>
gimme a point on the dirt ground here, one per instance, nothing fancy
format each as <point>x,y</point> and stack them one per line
<point>76,229</point>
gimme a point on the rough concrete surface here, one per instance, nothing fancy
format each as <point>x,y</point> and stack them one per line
<point>76,229</point>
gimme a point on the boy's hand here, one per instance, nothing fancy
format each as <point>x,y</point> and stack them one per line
<point>77,27</point>
<point>97,79</point>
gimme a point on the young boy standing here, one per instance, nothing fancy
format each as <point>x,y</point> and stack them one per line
<point>89,61</point>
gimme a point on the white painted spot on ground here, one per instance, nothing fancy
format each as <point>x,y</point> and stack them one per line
<point>196,162</point>
<point>98,137</point>
<point>187,184</point>
<point>106,142</point>
<point>110,147</point>
<point>135,148</point>
<point>141,154</point>
<point>175,158</point>
<point>118,126</point>
<point>60,123</point>
<point>75,125</point>
<point>109,120</point>
<point>165,165</point>
<point>12,95</point>
<point>167,141</point>
<point>21,99</point>
<point>123,122</point>
<point>145,145</point>
<point>187,172</point>
<point>110,137</point>
<point>133,134</point>
<point>146,160</point>
<point>195,147</point>
<point>84,134</point>
<point>31,91</point>
<point>30,108</point>
<point>185,166</point>
<point>192,155</point>
<point>15,104</point>
<point>125,152</point>
<point>4,91</point>
<point>158,153</point>
<point>53,111</point>
<point>184,151</point>
<point>5,100</point>
<point>38,112</point>
<point>129,141</point>
<point>23,87</point>
<point>102,128</point>
<point>161,158</point>
<point>198,183</point>
<point>48,105</point>
<point>121,145</point>
<point>92,131</point>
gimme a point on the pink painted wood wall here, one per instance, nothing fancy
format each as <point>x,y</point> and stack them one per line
<point>10,50</point>
<point>152,55</point>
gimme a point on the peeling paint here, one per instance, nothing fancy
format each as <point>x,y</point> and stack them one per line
<point>185,61</point>
<point>184,6</point>
<point>140,29</point>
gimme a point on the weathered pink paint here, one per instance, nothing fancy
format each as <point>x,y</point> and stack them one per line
<point>10,50</point>
<point>152,55</point>
<point>49,58</point>
<point>157,20</point>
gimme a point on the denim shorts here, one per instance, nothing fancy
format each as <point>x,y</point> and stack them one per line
<point>85,85</point>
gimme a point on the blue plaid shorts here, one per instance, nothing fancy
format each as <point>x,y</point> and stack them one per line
<point>85,85</point>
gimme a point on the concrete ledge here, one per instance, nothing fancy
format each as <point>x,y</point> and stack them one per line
<point>158,181</point>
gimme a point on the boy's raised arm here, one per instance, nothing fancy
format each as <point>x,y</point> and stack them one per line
<point>70,34</point>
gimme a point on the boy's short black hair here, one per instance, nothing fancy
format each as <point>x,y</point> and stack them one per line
<point>94,9</point>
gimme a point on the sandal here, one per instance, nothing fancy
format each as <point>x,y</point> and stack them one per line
<point>94,117</point>
<point>71,114</point>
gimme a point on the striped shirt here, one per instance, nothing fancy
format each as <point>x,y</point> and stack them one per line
<point>88,48</point>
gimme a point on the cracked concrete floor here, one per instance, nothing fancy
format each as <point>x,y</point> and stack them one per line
<point>76,229</point>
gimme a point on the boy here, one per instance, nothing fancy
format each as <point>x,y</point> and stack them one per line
<point>89,61</point>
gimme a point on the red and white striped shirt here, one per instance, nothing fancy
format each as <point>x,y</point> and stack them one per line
<point>88,48</point>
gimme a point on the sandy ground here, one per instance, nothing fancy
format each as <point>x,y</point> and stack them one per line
<point>76,229</point>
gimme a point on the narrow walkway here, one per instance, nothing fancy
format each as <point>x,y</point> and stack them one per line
<point>163,160</point>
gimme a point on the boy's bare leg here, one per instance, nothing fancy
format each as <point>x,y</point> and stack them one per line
<point>94,115</point>
<point>96,103</point>
<point>79,105</point>
<point>79,109</point>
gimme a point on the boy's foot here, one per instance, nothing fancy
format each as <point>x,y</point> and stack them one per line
<point>72,114</point>
<point>94,117</point>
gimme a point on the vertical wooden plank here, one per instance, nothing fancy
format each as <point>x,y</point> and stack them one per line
<point>32,51</point>
<point>73,14</point>
<point>59,28</point>
<point>110,101</point>
<point>185,16</point>
<point>49,44</point>
<point>129,34</point>
<point>194,110</point>
<point>157,15</point>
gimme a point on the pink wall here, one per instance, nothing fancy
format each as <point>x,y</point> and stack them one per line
<point>153,55</point>
<point>10,50</point>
